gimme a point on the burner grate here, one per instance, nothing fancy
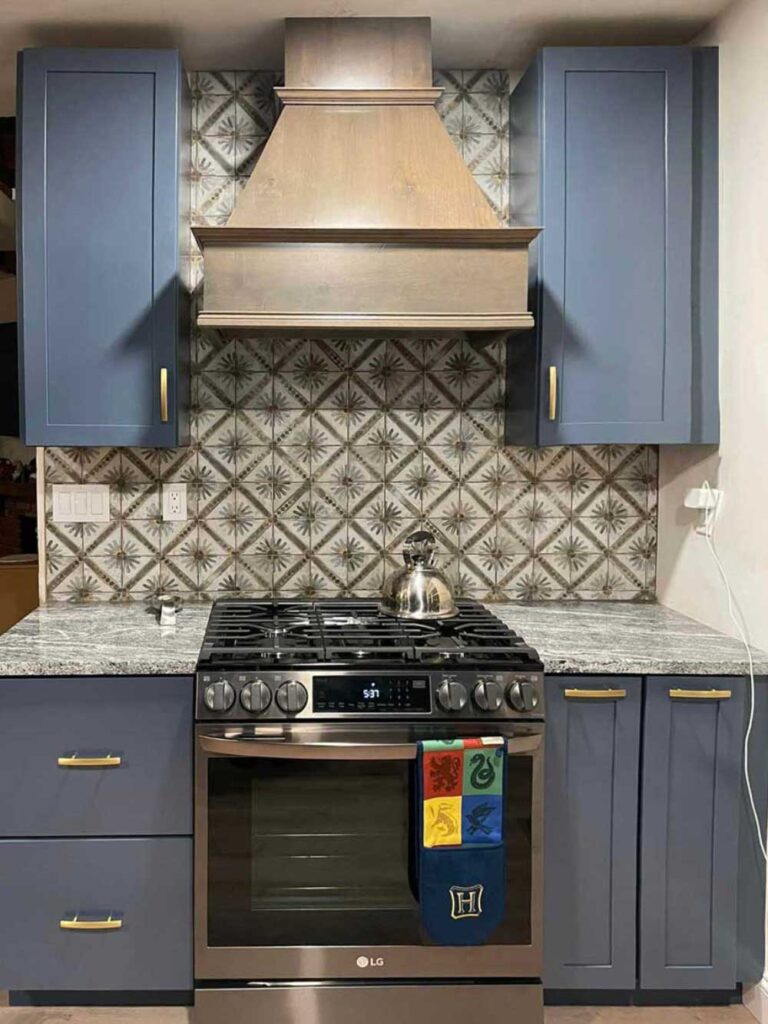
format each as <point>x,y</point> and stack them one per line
<point>243,632</point>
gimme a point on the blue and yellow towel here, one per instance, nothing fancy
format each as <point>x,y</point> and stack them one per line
<point>461,862</point>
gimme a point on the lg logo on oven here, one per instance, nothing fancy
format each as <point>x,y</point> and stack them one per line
<point>370,961</point>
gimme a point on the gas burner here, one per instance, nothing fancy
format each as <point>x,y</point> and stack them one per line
<point>482,634</point>
<point>344,620</point>
<point>281,629</point>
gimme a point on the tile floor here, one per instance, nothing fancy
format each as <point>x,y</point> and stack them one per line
<point>554,1015</point>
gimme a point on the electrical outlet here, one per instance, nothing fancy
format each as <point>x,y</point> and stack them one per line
<point>174,503</point>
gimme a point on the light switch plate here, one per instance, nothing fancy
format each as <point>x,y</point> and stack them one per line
<point>81,503</point>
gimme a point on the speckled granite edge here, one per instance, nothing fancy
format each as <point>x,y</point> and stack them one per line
<point>589,638</point>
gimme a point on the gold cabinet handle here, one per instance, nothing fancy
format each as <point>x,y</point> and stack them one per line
<point>73,761</point>
<point>163,395</point>
<point>700,694</point>
<point>595,694</point>
<point>552,393</point>
<point>74,924</point>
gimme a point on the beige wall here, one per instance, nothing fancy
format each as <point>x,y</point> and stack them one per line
<point>687,578</point>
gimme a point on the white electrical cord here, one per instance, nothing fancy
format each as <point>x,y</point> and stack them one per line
<point>737,618</point>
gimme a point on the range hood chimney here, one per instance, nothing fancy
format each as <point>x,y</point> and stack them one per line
<point>360,215</point>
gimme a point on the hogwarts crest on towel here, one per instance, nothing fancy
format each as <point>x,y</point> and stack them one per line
<point>467,901</point>
<point>463,791</point>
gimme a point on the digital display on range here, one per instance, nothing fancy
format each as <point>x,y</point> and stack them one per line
<point>334,694</point>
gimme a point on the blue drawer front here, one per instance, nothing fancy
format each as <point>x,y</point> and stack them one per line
<point>146,722</point>
<point>145,883</point>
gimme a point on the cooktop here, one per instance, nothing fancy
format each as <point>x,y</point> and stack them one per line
<point>269,634</point>
<point>330,658</point>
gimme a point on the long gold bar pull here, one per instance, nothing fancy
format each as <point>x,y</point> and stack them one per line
<point>73,761</point>
<point>577,694</point>
<point>110,924</point>
<point>552,393</point>
<point>700,694</point>
<point>163,395</point>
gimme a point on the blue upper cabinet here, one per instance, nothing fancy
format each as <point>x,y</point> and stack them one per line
<point>614,153</point>
<point>104,206</point>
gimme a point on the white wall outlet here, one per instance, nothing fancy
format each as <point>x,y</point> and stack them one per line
<point>174,503</point>
<point>81,503</point>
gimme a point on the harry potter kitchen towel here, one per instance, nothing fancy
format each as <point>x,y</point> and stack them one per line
<point>461,861</point>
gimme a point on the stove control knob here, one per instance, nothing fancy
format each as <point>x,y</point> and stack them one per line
<point>256,696</point>
<point>452,696</point>
<point>488,695</point>
<point>523,696</point>
<point>291,697</point>
<point>219,696</point>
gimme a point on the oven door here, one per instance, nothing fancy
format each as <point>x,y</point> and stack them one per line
<point>305,846</point>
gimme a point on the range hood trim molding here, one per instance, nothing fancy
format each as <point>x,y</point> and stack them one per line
<point>411,322</point>
<point>358,97</point>
<point>212,236</point>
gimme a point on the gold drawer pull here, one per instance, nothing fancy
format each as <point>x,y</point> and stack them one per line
<point>700,694</point>
<point>552,412</point>
<point>595,694</point>
<point>163,395</point>
<point>73,761</point>
<point>111,924</point>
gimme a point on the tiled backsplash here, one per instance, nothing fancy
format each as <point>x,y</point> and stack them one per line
<point>313,459</point>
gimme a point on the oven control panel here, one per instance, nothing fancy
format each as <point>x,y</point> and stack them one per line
<point>369,695</point>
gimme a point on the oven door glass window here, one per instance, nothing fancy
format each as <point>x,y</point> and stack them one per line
<point>306,853</point>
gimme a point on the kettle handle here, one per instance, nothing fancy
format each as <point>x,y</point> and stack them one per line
<point>419,548</point>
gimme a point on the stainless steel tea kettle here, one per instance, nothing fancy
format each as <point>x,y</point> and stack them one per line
<point>419,590</point>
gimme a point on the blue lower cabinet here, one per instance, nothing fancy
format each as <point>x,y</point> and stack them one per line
<point>591,824</point>
<point>96,757</point>
<point>652,766</point>
<point>689,854</point>
<point>96,914</point>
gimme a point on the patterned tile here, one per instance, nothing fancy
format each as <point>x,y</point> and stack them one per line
<point>313,459</point>
<point>213,200</point>
<point>449,81</point>
<point>213,155</point>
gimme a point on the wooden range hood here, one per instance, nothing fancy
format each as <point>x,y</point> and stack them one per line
<point>360,214</point>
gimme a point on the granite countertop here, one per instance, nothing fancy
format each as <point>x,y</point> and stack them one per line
<point>102,640</point>
<point>571,637</point>
<point>620,638</point>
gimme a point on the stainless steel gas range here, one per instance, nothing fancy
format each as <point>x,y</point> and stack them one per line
<point>309,715</point>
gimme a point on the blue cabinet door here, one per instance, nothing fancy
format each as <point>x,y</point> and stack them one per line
<point>591,821</point>
<point>48,886</point>
<point>103,194</point>
<point>614,153</point>
<point>690,833</point>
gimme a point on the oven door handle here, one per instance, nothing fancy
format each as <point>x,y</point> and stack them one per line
<point>309,750</point>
